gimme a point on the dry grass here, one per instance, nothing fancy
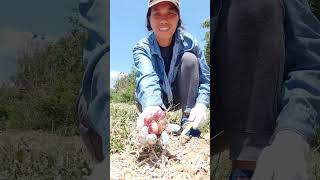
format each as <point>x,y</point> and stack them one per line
<point>190,160</point>
<point>177,161</point>
<point>40,155</point>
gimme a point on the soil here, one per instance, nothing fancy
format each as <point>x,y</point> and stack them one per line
<point>178,160</point>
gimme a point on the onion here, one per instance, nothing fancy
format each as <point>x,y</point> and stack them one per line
<point>172,128</point>
<point>162,125</point>
<point>147,119</point>
<point>159,115</point>
<point>154,128</point>
<point>165,138</point>
<point>142,140</point>
<point>151,138</point>
<point>142,136</point>
<point>144,131</point>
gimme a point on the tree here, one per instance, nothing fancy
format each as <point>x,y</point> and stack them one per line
<point>46,85</point>
<point>315,6</point>
<point>206,25</point>
<point>124,88</point>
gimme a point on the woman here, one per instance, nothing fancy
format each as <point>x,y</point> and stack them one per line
<point>267,86</point>
<point>170,68</point>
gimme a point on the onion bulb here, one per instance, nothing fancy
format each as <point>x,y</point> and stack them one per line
<point>151,138</point>
<point>165,138</point>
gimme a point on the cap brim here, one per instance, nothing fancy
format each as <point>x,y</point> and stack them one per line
<point>159,1</point>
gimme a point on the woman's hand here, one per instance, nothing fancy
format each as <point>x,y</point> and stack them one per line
<point>142,130</point>
<point>150,110</point>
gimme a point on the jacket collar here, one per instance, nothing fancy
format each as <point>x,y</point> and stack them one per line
<point>154,46</point>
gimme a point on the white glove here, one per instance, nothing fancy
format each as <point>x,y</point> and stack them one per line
<point>284,159</point>
<point>198,116</point>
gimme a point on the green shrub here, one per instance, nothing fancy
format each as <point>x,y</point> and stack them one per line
<point>45,86</point>
<point>315,6</point>
<point>124,89</point>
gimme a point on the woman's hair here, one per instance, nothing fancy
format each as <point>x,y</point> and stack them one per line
<point>179,25</point>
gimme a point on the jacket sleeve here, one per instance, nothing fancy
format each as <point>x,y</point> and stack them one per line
<point>93,105</point>
<point>300,100</point>
<point>148,90</point>
<point>204,84</point>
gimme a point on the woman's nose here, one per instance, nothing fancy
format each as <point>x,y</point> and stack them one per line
<point>163,21</point>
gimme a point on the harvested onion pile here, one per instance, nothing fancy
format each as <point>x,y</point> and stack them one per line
<point>155,129</point>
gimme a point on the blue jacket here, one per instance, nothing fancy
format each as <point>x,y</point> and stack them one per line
<point>299,103</point>
<point>95,82</point>
<point>150,69</point>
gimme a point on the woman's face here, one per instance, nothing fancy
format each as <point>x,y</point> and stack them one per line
<point>164,19</point>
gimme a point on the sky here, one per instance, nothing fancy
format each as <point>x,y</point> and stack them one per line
<point>128,27</point>
<point>20,20</point>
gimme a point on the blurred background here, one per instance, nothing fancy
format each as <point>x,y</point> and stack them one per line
<point>41,68</point>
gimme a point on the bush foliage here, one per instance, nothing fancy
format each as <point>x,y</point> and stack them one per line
<point>124,89</point>
<point>43,91</point>
<point>315,6</point>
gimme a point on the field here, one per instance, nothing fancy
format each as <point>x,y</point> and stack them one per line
<point>179,160</point>
<point>40,155</point>
<point>28,155</point>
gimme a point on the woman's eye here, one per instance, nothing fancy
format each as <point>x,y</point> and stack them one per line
<point>159,15</point>
<point>156,14</point>
<point>172,14</point>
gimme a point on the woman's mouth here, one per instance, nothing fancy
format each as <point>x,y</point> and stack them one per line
<point>164,28</point>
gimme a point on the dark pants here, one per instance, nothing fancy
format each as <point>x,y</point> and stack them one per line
<point>238,174</point>
<point>185,87</point>
<point>248,70</point>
